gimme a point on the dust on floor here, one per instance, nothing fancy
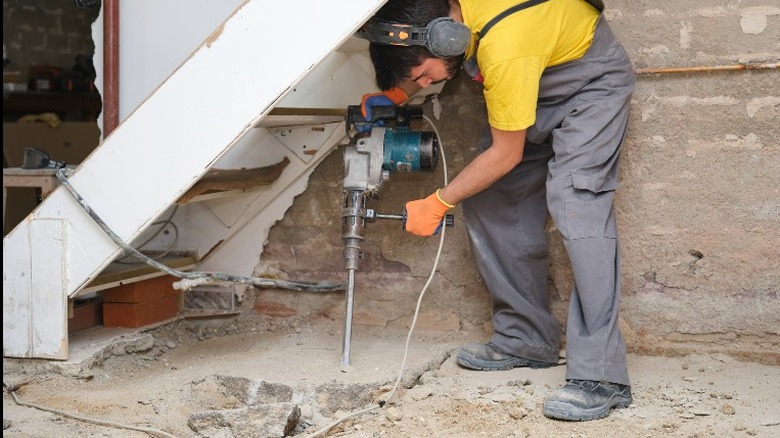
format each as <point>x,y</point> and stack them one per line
<point>250,377</point>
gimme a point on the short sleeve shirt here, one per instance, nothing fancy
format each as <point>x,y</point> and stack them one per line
<point>516,51</point>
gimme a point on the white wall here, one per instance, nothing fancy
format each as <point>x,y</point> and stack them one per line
<point>155,37</point>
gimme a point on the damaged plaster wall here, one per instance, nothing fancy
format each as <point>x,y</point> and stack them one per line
<point>700,197</point>
<point>698,205</point>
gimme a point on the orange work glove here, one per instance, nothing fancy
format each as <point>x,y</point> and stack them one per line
<point>424,216</point>
<point>393,96</point>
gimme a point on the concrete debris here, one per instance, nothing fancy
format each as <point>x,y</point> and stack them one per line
<point>252,393</point>
<point>264,421</point>
<point>332,397</point>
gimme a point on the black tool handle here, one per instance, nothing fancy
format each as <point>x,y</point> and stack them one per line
<point>449,219</point>
<point>401,115</point>
<point>380,112</point>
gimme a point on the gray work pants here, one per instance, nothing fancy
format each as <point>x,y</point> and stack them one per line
<point>571,162</point>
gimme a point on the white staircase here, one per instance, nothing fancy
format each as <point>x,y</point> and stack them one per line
<point>215,108</point>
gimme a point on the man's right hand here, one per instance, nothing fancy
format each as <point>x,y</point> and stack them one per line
<point>393,96</point>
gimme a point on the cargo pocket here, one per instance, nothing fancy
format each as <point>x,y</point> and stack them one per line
<point>595,183</point>
<point>588,206</point>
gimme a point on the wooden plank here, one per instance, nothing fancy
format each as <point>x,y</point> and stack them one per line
<point>118,274</point>
<point>49,240</point>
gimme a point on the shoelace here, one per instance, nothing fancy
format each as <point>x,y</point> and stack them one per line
<point>584,384</point>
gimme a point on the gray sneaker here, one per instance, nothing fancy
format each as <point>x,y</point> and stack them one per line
<point>489,357</point>
<point>584,400</point>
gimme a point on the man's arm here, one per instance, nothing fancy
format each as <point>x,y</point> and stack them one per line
<point>503,155</point>
<point>424,216</point>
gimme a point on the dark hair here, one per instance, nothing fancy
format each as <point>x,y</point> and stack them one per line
<point>393,64</point>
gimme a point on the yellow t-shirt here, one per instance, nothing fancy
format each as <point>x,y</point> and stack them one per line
<point>515,52</point>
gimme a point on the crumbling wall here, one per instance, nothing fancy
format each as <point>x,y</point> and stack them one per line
<point>700,198</point>
<point>698,206</point>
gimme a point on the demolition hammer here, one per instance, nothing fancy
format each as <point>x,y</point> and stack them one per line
<point>383,145</point>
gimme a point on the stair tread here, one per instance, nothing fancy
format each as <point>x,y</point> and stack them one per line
<point>121,273</point>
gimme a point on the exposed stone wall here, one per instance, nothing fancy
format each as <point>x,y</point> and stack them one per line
<point>700,198</point>
<point>46,32</point>
<point>698,206</point>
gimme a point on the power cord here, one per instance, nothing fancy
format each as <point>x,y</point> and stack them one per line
<point>149,430</point>
<point>392,392</point>
<point>190,279</point>
<point>165,252</point>
<point>249,280</point>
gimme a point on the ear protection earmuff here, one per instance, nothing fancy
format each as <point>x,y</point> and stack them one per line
<point>443,36</point>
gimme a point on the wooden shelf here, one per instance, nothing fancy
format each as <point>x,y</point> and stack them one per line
<point>34,102</point>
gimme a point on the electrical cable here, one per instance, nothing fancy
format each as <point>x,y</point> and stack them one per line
<point>165,252</point>
<point>254,281</point>
<point>199,277</point>
<point>191,279</point>
<point>392,392</point>
<point>106,423</point>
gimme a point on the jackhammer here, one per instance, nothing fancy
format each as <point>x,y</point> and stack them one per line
<point>391,146</point>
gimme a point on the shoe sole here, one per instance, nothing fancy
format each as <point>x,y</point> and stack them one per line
<point>471,362</point>
<point>564,411</point>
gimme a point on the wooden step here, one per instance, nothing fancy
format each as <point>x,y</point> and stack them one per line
<point>117,274</point>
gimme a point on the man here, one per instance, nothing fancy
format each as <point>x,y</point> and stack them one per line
<point>557,86</point>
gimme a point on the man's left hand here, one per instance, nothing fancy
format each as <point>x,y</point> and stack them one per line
<point>424,216</point>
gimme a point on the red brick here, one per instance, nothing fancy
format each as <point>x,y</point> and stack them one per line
<point>133,315</point>
<point>140,291</point>
<point>85,316</point>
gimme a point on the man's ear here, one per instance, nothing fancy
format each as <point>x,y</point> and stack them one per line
<point>442,36</point>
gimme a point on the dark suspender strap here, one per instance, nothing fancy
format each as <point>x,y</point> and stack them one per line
<point>598,4</point>
<point>510,11</point>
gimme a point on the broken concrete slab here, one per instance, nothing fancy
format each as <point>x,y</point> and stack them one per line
<point>262,421</point>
